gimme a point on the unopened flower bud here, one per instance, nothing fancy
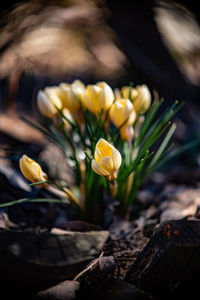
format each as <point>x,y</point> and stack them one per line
<point>98,97</point>
<point>140,97</point>
<point>32,170</point>
<point>48,100</point>
<point>122,114</point>
<point>72,95</point>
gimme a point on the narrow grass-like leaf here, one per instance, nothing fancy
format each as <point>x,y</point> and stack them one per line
<point>176,152</point>
<point>41,200</point>
<point>64,117</point>
<point>61,188</point>
<point>136,179</point>
<point>164,118</point>
<point>117,130</point>
<point>148,119</point>
<point>142,151</point>
<point>41,182</point>
<point>160,150</point>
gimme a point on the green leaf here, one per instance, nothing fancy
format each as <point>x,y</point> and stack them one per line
<point>175,152</point>
<point>34,200</point>
<point>148,120</point>
<point>160,150</point>
<point>64,117</point>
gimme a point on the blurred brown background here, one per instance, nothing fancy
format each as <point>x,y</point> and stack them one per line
<point>153,42</point>
<point>45,42</point>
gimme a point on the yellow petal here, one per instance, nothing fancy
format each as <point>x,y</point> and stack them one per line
<point>78,89</point>
<point>97,155</point>
<point>64,85</point>
<point>106,96</point>
<point>79,84</point>
<point>87,103</point>
<point>104,148</point>
<point>65,88</point>
<point>74,104</point>
<point>134,93</point>
<point>32,170</point>
<point>107,164</point>
<point>125,91</point>
<point>117,159</point>
<point>45,106</point>
<point>116,112</point>
<point>129,112</point>
<point>94,92</point>
<point>107,160</point>
<point>71,96</point>
<point>98,169</point>
<point>132,117</point>
<point>53,93</point>
<point>143,99</point>
<point>91,98</point>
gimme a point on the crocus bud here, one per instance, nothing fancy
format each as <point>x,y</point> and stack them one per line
<point>32,170</point>
<point>48,100</point>
<point>107,160</point>
<point>98,97</point>
<point>122,112</point>
<point>72,95</point>
<point>140,97</point>
<point>142,100</point>
<point>128,92</point>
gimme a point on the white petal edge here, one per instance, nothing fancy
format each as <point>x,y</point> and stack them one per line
<point>107,164</point>
<point>117,159</point>
<point>97,168</point>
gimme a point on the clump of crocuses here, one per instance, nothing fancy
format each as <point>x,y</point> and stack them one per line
<point>106,135</point>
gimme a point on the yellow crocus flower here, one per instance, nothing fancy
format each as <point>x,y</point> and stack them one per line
<point>72,95</point>
<point>107,160</point>
<point>140,97</point>
<point>128,92</point>
<point>32,170</point>
<point>142,101</point>
<point>97,97</point>
<point>122,111</point>
<point>47,101</point>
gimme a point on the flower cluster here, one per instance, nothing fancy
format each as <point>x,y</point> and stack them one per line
<point>87,122</point>
<point>99,99</point>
